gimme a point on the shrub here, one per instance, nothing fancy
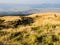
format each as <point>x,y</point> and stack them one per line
<point>10,24</point>
<point>27,20</point>
<point>3,33</point>
<point>39,39</point>
<point>54,38</point>
<point>53,26</point>
<point>14,35</point>
<point>1,43</point>
<point>50,44</point>
<point>35,28</point>
<point>1,21</point>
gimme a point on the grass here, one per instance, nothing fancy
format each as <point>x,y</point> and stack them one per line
<point>35,29</point>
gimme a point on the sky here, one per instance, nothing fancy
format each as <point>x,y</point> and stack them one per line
<point>11,4</point>
<point>28,1</point>
<point>21,5</point>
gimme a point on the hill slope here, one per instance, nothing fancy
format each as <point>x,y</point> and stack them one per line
<point>34,29</point>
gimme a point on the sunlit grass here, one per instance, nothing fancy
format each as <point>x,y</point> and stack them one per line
<point>35,29</point>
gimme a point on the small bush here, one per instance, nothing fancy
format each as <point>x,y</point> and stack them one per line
<point>54,38</point>
<point>14,35</point>
<point>1,43</point>
<point>53,26</point>
<point>1,21</point>
<point>50,44</point>
<point>2,33</point>
<point>16,23</point>
<point>35,28</point>
<point>39,39</point>
<point>10,24</point>
<point>27,20</point>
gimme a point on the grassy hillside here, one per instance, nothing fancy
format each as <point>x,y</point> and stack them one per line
<point>35,29</point>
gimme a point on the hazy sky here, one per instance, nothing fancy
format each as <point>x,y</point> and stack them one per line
<point>29,1</point>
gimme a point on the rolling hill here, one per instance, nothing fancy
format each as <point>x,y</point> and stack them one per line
<point>34,29</point>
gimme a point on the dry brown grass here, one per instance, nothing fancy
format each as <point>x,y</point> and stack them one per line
<point>46,26</point>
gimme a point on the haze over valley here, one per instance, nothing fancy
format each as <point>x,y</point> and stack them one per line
<point>17,9</point>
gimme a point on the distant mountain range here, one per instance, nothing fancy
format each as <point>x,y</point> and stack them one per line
<point>23,9</point>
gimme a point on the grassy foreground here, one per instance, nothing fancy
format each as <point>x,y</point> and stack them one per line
<point>35,29</point>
